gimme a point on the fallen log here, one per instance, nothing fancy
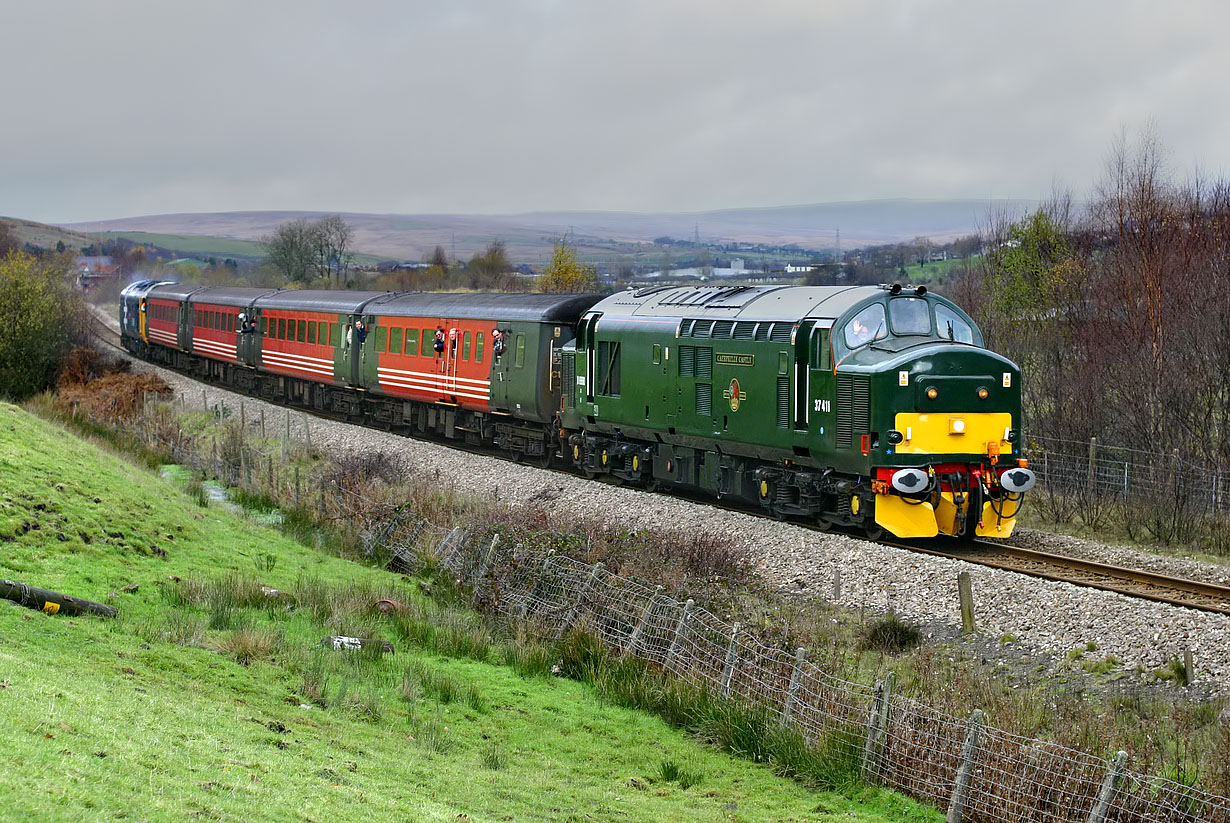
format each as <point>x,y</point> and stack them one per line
<point>52,602</point>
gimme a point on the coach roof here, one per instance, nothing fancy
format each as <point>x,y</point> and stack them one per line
<point>229,296</point>
<point>542,308</point>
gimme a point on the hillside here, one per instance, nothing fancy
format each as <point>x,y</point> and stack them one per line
<point>208,698</point>
<point>529,236</point>
<point>41,234</point>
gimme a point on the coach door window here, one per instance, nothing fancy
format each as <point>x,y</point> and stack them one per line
<point>478,348</point>
<point>520,350</point>
<point>465,347</point>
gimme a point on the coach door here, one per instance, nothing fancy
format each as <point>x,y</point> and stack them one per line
<point>449,361</point>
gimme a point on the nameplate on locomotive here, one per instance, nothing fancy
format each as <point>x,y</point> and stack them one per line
<point>727,359</point>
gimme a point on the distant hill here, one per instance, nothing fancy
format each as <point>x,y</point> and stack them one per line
<point>40,234</point>
<point>529,236</point>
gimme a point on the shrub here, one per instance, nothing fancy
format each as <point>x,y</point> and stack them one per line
<point>41,319</point>
<point>890,635</point>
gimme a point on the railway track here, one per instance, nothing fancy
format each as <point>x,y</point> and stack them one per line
<point>1145,585</point>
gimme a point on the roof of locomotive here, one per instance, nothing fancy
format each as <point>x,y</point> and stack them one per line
<point>173,291</point>
<point>743,302</point>
<point>542,308</point>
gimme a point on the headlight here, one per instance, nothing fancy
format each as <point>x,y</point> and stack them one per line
<point>895,437</point>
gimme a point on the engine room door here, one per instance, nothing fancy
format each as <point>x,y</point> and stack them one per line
<point>822,421</point>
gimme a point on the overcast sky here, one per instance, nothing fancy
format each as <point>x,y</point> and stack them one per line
<point>122,108</point>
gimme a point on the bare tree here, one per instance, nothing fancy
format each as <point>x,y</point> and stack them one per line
<point>334,255</point>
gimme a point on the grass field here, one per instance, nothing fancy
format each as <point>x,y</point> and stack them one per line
<point>208,699</point>
<point>190,245</point>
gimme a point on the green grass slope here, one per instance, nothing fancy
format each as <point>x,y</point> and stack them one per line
<point>191,705</point>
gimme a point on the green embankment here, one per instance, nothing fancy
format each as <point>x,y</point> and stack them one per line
<point>154,717</point>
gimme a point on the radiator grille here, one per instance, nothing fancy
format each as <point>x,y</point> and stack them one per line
<point>723,328</point>
<point>781,332</point>
<point>704,399</point>
<point>853,409</point>
<point>704,363</point>
<point>783,402</point>
<point>687,361</point>
<point>745,330</point>
<point>568,380</point>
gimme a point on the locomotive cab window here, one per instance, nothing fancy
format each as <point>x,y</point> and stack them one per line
<point>867,325</point>
<point>951,327</point>
<point>909,315</point>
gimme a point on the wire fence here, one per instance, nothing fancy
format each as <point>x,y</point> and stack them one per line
<point>977,772</point>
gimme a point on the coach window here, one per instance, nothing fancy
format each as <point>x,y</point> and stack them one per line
<point>412,342</point>
<point>395,340</point>
<point>382,338</point>
<point>465,347</point>
<point>478,348</point>
<point>312,332</point>
<point>264,325</point>
<point>335,334</point>
<point>427,339</point>
<point>281,328</point>
<point>520,350</point>
<point>302,330</point>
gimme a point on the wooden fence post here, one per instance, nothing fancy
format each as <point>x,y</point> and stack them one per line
<point>732,652</point>
<point>960,786</point>
<point>307,430</point>
<point>673,651</point>
<point>1189,668</point>
<point>204,400</point>
<point>876,727</point>
<point>634,639</point>
<point>486,561</point>
<point>1107,793</point>
<point>837,584</point>
<point>965,594</point>
<point>262,423</point>
<point>243,416</point>
<point>796,679</point>
<point>1093,464</point>
<point>298,490</point>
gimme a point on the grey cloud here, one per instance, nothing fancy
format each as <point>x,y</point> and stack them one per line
<point>137,107</point>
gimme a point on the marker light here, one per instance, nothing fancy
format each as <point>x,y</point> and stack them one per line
<point>933,392</point>
<point>983,394</point>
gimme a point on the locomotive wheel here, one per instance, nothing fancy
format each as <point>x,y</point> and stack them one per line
<point>874,531</point>
<point>545,459</point>
<point>823,524</point>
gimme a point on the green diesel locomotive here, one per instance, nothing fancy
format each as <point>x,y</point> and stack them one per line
<point>877,408</point>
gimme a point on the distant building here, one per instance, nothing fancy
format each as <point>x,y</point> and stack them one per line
<point>793,269</point>
<point>93,270</point>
